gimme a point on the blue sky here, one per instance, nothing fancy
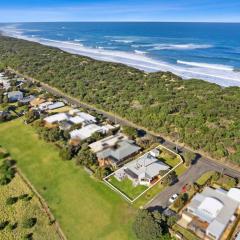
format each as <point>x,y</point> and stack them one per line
<point>120,10</point>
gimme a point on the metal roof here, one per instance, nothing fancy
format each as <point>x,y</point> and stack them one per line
<point>123,150</point>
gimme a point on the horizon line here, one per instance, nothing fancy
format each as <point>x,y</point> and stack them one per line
<point>135,21</point>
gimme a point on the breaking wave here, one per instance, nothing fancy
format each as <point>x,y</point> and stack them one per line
<point>220,74</point>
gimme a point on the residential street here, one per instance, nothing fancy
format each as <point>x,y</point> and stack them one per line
<point>202,164</point>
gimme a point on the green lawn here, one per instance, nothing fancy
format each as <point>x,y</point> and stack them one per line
<point>126,187</point>
<point>150,194</point>
<point>204,178</point>
<point>187,234</point>
<point>85,208</point>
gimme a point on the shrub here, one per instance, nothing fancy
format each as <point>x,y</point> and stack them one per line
<point>29,223</point>
<point>28,236</point>
<point>11,200</point>
<point>12,226</point>
<point>25,197</point>
<point>146,227</point>
<point>4,181</point>
<point>3,224</point>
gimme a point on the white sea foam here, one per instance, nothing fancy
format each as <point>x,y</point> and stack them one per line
<point>122,41</point>
<point>140,52</point>
<point>207,65</point>
<point>167,46</point>
<point>222,75</point>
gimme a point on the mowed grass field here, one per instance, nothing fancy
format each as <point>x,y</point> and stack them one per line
<point>85,208</point>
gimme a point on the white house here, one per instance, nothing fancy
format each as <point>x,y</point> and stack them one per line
<point>56,118</point>
<point>142,170</point>
<point>88,131</point>
<point>211,211</point>
<point>87,117</point>
<point>44,106</point>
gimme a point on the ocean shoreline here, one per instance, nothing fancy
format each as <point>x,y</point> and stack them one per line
<point>226,75</point>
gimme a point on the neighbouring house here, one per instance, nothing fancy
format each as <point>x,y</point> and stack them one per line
<point>15,96</point>
<point>86,117</point>
<point>74,111</point>
<point>211,212</point>
<point>116,154</point>
<point>4,82</point>
<point>37,101</point>
<point>76,120</point>
<point>87,131</point>
<point>44,106</point>
<point>107,142</point>
<point>27,100</point>
<point>55,105</point>
<point>65,125</point>
<point>56,118</point>
<point>142,171</point>
<point>81,117</point>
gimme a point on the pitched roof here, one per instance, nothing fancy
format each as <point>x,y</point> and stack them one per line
<point>107,142</point>
<point>214,207</point>
<point>56,118</point>
<point>87,131</point>
<point>121,151</point>
<point>147,166</point>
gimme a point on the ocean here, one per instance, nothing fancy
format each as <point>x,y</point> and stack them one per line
<point>208,51</point>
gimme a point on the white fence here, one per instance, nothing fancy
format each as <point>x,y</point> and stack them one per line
<point>133,200</point>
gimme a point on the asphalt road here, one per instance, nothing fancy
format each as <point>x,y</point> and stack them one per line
<point>218,166</point>
<point>202,164</point>
<point>190,176</point>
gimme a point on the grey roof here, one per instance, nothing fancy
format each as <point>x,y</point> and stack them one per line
<point>217,223</point>
<point>147,166</point>
<point>56,105</point>
<point>15,94</point>
<point>27,99</point>
<point>121,151</point>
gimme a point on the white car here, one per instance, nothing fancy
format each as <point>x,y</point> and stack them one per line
<point>173,198</point>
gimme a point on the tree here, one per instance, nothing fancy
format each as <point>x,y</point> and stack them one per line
<point>169,179</point>
<point>130,132</point>
<point>28,236</point>
<point>29,222</point>
<point>85,157</point>
<point>145,226</point>
<point>3,224</point>
<point>189,158</point>
<point>11,200</point>
<point>172,220</point>
<point>31,116</point>
<point>65,153</point>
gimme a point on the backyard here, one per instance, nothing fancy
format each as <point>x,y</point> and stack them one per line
<point>126,186</point>
<point>85,208</point>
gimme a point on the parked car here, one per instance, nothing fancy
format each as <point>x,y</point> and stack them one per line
<point>173,198</point>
